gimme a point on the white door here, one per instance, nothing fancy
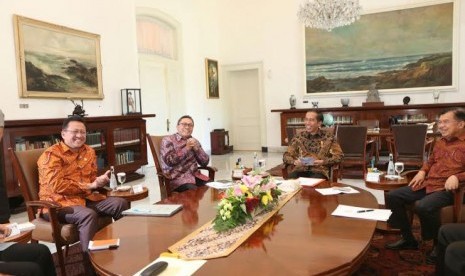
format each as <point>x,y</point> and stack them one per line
<point>152,78</point>
<point>154,96</point>
<point>244,89</point>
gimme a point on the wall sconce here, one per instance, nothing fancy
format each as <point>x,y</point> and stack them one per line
<point>131,102</point>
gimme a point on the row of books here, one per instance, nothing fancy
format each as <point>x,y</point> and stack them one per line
<point>124,157</point>
<point>22,144</point>
<point>95,140</point>
<point>126,136</point>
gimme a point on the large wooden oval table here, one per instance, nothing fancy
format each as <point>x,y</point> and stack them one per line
<point>301,239</point>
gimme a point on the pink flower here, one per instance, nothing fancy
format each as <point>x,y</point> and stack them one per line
<point>268,186</point>
<point>238,191</point>
<point>251,180</point>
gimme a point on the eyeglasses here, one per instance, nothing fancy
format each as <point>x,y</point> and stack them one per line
<point>186,125</point>
<point>75,132</point>
<point>446,122</point>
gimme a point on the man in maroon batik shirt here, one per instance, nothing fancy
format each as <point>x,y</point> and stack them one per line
<point>181,154</point>
<point>433,186</point>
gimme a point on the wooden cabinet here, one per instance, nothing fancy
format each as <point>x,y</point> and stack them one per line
<point>420,113</point>
<point>118,141</point>
<point>219,140</point>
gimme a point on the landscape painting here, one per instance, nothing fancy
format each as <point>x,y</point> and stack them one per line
<point>400,49</point>
<point>56,61</point>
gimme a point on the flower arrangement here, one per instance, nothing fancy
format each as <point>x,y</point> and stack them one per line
<point>250,196</point>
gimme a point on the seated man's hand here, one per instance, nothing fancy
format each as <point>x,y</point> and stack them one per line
<point>100,181</point>
<point>5,230</point>
<point>417,181</point>
<point>452,183</point>
<point>192,143</point>
<point>318,162</point>
<point>298,163</point>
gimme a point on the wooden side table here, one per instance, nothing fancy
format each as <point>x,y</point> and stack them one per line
<point>386,185</point>
<point>220,142</point>
<point>130,195</point>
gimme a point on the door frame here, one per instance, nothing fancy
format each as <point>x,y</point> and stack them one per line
<point>227,70</point>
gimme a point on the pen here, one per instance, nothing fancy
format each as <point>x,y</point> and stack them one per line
<point>364,211</point>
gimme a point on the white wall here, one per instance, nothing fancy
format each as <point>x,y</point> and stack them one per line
<point>118,53</point>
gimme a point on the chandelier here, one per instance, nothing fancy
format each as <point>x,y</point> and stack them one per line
<point>329,14</point>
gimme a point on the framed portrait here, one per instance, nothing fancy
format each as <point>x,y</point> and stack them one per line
<point>409,48</point>
<point>211,73</point>
<point>56,62</point>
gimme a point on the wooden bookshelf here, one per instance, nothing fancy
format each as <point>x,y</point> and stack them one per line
<point>118,141</point>
<point>419,113</point>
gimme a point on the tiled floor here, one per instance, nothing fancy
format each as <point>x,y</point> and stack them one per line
<point>224,164</point>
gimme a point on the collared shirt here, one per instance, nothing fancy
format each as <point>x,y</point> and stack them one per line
<point>64,175</point>
<point>448,158</point>
<point>321,145</point>
<point>179,163</point>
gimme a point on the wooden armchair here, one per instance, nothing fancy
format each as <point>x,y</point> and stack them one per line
<point>409,144</point>
<point>354,143</point>
<point>26,170</point>
<point>163,179</point>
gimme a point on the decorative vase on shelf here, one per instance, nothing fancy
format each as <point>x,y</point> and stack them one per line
<point>406,100</point>
<point>345,102</point>
<point>292,101</point>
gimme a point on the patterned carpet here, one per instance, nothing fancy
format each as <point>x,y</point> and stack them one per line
<point>381,261</point>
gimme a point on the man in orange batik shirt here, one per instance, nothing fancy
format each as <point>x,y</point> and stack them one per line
<point>68,176</point>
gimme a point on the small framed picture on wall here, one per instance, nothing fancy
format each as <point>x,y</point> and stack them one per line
<point>211,73</point>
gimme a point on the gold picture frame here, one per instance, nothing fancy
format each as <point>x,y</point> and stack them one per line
<point>211,73</point>
<point>56,62</point>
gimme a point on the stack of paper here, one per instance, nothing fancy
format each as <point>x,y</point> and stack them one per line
<point>220,184</point>
<point>337,190</point>
<point>103,244</point>
<point>156,210</point>
<point>307,181</point>
<point>362,213</point>
<point>17,228</point>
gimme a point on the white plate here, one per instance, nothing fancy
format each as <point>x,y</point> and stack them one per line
<point>123,188</point>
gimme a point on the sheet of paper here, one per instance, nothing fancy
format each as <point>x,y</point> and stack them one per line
<point>176,266</point>
<point>362,213</point>
<point>306,181</point>
<point>14,229</point>
<point>138,188</point>
<point>289,185</point>
<point>220,185</point>
<point>337,190</point>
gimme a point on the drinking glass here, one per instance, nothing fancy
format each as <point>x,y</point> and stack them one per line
<point>399,167</point>
<point>121,178</point>
<point>436,94</point>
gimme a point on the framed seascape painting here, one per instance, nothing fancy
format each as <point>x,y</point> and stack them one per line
<point>211,73</point>
<point>57,62</point>
<point>406,49</point>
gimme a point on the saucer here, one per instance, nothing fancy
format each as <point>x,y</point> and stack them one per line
<point>123,188</point>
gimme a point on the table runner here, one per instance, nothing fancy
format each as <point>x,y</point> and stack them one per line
<point>205,243</point>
